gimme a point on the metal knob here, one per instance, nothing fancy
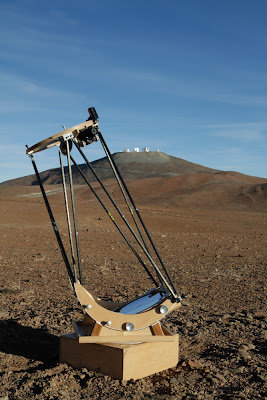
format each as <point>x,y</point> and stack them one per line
<point>129,326</point>
<point>163,309</point>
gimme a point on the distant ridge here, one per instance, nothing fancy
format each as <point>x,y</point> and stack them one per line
<point>132,165</point>
<point>155,178</point>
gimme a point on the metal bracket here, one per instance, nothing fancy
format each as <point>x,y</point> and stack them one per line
<point>67,136</point>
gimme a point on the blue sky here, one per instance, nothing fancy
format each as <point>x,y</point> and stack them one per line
<point>186,77</point>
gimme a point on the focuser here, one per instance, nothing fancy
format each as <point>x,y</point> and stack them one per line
<point>87,136</point>
<point>93,116</point>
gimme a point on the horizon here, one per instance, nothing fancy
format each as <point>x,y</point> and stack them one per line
<point>188,77</point>
<point>126,153</point>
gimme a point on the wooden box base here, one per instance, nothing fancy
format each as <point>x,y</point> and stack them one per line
<point>120,361</point>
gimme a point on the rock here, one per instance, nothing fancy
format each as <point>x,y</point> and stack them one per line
<point>65,394</point>
<point>212,379</point>
<point>240,370</point>
<point>260,315</point>
<point>220,378</point>
<point>194,377</point>
<point>226,316</point>
<point>262,377</point>
<point>249,317</point>
<point>195,364</point>
<point>4,398</point>
<point>177,381</point>
<point>251,346</point>
<point>244,354</point>
<point>3,314</point>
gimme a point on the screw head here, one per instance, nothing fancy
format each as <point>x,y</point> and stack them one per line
<point>129,326</point>
<point>163,309</point>
<point>108,323</point>
<point>88,306</point>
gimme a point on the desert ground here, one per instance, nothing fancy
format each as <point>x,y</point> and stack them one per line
<point>217,258</point>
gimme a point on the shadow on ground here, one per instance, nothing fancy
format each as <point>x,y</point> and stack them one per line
<point>28,342</point>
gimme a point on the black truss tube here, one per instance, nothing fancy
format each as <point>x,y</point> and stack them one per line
<point>120,183</point>
<point>67,213</point>
<point>115,223</point>
<point>54,225</point>
<point>112,200</point>
<point>177,296</point>
<point>74,213</point>
<point>163,280</point>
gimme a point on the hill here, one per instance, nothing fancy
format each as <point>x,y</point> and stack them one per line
<point>131,165</point>
<point>158,179</point>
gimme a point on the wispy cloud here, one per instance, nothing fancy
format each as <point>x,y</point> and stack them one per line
<point>16,83</point>
<point>193,88</point>
<point>47,19</point>
<point>22,94</point>
<point>246,132</point>
<point>238,159</point>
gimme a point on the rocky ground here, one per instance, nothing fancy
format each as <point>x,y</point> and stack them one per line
<point>218,261</point>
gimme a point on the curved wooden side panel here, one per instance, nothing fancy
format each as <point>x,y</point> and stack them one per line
<point>117,321</point>
<point>53,140</point>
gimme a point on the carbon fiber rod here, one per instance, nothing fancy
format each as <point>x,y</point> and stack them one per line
<point>147,253</point>
<point>115,223</point>
<point>67,213</point>
<point>119,180</point>
<point>74,212</point>
<point>54,225</point>
<point>174,290</point>
<point>112,200</point>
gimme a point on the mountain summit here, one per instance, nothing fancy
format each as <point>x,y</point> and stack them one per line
<point>132,165</point>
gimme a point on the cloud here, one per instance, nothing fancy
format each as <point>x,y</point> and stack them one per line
<point>246,132</point>
<point>18,13</point>
<point>238,159</point>
<point>194,88</point>
<point>19,84</point>
<point>20,94</point>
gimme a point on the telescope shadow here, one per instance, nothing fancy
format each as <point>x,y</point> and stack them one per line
<point>28,342</point>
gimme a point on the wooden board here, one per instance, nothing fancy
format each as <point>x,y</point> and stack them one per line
<point>54,139</point>
<point>95,333</point>
<point>100,314</point>
<point>118,360</point>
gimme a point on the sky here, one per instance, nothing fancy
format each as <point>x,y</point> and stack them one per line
<point>186,77</point>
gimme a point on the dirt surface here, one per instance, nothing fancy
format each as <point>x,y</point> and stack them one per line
<point>217,259</point>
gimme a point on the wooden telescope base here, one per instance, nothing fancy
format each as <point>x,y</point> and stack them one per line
<point>120,361</point>
<point>124,361</point>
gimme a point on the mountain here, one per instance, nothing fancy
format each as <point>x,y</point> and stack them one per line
<point>155,178</point>
<point>132,166</point>
<point>230,191</point>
